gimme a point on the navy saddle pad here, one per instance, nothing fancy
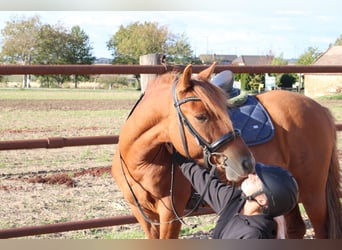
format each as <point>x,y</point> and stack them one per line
<point>253,121</point>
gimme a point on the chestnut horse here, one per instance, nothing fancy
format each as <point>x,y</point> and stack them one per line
<point>189,115</point>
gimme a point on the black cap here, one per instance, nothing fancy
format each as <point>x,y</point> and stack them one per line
<point>280,188</point>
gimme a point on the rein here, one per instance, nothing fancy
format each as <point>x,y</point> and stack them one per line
<point>122,162</point>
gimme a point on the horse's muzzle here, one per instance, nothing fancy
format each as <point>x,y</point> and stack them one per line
<point>248,164</point>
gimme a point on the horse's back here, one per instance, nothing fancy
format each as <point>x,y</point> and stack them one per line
<point>301,109</point>
<point>304,132</point>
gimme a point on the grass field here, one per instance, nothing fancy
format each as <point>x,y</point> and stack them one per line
<point>68,94</point>
<point>41,113</point>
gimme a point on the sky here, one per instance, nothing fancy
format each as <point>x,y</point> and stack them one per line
<point>245,27</point>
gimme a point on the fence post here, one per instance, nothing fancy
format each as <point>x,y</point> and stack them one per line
<point>150,59</point>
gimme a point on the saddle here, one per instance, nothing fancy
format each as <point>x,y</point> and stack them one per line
<point>246,112</point>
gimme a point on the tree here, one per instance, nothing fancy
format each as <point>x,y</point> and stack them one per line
<point>309,56</point>
<point>338,41</point>
<point>179,50</point>
<point>137,39</point>
<point>285,80</point>
<point>58,45</point>
<point>26,41</point>
<point>279,60</point>
<point>52,45</point>
<point>79,51</point>
<point>19,41</point>
<point>52,49</point>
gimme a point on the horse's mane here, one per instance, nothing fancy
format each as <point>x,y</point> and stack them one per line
<point>167,78</point>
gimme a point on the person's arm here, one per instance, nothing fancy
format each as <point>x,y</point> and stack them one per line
<point>217,194</point>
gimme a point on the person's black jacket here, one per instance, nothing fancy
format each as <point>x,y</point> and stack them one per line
<point>227,201</point>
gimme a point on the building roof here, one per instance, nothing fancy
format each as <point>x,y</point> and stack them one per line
<point>253,60</point>
<point>333,56</point>
<point>222,59</point>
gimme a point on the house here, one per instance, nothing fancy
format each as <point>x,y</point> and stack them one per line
<point>253,60</point>
<point>323,84</point>
<point>220,59</point>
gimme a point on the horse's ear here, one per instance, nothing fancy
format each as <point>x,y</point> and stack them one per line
<point>185,80</point>
<point>205,74</point>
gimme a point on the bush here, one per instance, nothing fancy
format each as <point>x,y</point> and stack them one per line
<point>287,80</point>
<point>113,81</point>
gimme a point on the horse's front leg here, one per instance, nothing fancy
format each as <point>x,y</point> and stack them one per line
<point>152,231</point>
<point>170,230</point>
<point>169,225</point>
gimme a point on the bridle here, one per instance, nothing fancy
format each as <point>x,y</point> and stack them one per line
<point>208,148</point>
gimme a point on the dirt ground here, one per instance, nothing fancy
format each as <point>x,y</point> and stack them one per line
<point>65,104</point>
<point>48,186</point>
<point>44,186</point>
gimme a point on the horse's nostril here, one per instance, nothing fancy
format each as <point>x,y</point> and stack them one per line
<point>248,164</point>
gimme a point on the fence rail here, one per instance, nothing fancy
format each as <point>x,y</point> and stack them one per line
<point>79,225</point>
<point>158,69</point>
<point>59,142</point>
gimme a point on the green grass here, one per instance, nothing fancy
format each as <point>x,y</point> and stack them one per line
<point>138,234</point>
<point>135,234</point>
<point>330,97</point>
<point>336,110</point>
<point>103,233</point>
<point>336,107</point>
<point>186,230</point>
<point>68,94</point>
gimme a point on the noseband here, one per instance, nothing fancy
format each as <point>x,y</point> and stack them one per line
<point>208,148</point>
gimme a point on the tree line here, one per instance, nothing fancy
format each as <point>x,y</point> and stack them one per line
<point>26,40</point>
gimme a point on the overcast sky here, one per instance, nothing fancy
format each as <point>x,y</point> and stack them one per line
<point>247,27</point>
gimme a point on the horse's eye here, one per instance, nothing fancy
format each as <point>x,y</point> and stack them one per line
<point>201,118</point>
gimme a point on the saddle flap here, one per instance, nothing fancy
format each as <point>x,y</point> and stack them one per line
<point>253,120</point>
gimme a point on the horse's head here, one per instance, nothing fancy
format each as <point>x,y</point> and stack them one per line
<point>206,131</point>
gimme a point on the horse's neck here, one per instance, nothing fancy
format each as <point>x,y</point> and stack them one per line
<point>144,134</point>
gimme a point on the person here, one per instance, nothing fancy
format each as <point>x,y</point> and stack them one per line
<point>248,211</point>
